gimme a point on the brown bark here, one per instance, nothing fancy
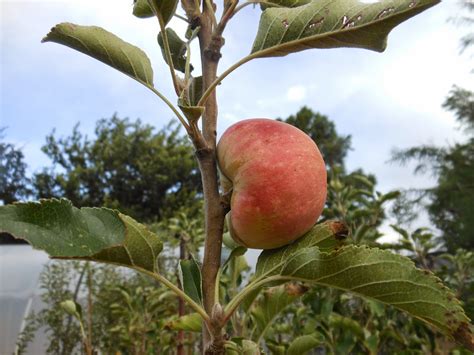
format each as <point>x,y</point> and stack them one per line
<point>206,154</point>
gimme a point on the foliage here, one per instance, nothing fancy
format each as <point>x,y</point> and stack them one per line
<point>319,258</point>
<point>14,184</point>
<point>128,313</point>
<point>128,166</point>
<point>451,201</point>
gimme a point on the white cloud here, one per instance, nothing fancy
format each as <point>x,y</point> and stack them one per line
<point>296,93</point>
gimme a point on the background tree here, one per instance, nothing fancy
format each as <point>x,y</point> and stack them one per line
<point>14,183</point>
<point>127,165</point>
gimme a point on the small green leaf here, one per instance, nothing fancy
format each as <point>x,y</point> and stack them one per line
<point>106,47</point>
<point>192,113</point>
<point>389,196</point>
<point>230,249</point>
<point>303,344</point>
<point>141,9</point>
<point>250,348</point>
<point>188,102</point>
<point>272,303</point>
<point>190,278</point>
<point>167,8</point>
<point>72,308</point>
<point>177,49</point>
<point>190,322</point>
<point>96,234</point>
<point>332,24</point>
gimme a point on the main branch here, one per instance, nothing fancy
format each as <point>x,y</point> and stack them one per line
<point>206,154</point>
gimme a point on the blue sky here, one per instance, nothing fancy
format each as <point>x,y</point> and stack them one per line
<point>383,100</point>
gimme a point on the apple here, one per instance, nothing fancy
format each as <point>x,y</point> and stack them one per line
<point>278,181</point>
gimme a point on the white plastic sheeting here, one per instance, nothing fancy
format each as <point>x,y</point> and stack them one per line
<point>20,268</point>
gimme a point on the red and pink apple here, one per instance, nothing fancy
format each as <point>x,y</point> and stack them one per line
<point>278,179</point>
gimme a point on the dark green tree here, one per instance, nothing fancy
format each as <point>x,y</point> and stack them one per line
<point>451,201</point>
<point>127,165</point>
<point>14,184</point>
<point>333,147</point>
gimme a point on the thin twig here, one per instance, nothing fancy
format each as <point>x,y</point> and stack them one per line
<point>179,292</point>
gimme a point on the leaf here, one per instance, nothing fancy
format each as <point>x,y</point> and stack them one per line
<point>250,348</point>
<point>303,344</point>
<point>376,274</point>
<point>190,278</point>
<point>72,308</point>
<point>241,346</point>
<point>230,250</point>
<point>271,304</point>
<point>190,322</point>
<point>188,103</point>
<point>326,236</point>
<point>106,47</point>
<point>284,3</point>
<point>192,113</point>
<point>96,234</point>
<point>166,8</point>
<point>389,196</point>
<point>177,49</point>
<point>141,9</point>
<point>346,324</point>
<point>332,24</point>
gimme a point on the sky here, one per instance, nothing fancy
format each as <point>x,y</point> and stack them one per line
<point>384,100</point>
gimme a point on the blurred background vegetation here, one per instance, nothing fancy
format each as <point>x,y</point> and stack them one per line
<point>152,175</point>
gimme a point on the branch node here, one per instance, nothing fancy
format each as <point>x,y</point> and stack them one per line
<point>213,51</point>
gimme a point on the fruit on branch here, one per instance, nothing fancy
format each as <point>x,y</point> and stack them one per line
<point>278,181</point>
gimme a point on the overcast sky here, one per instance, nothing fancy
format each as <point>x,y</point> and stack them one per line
<point>383,100</point>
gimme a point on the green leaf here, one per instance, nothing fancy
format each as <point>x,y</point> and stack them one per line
<point>327,236</point>
<point>96,234</point>
<point>190,322</point>
<point>303,344</point>
<point>332,24</point>
<point>167,8</point>
<point>376,274</point>
<point>106,47</point>
<point>230,250</point>
<point>188,103</point>
<point>346,324</point>
<point>241,346</point>
<point>177,49</point>
<point>72,308</point>
<point>389,196</point>
<point>284,3</point>
<point>190,278</point>
<point>141,9</point>
<point>271,304</point>
<point>250,348</point>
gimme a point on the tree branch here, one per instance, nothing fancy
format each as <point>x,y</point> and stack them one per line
<point>206,155</point>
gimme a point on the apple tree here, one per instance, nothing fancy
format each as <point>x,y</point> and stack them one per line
<point>320,256</point>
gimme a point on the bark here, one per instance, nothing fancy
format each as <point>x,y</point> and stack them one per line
<point>206,154</point>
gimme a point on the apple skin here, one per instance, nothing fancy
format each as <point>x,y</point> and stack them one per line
<point>279,182</point>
